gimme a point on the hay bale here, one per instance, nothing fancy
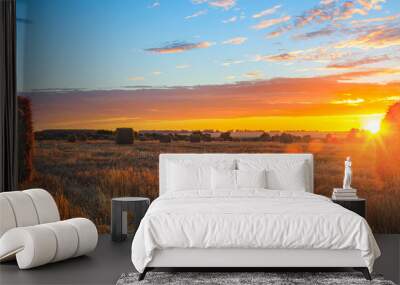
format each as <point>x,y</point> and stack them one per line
<point>82,137</point>
<point>71,138</point>
<point>25,139</point>
<point>165,139</point>
<point>124,136</point>
<point>195,138</point>
<point>226,136</point>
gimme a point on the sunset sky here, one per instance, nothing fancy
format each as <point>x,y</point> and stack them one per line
<point>326,65</point>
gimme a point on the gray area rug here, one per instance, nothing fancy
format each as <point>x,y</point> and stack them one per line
<point>273,278</point>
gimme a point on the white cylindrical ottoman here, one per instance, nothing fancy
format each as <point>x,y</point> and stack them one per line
<point>87,235</point>
<point>51,242</point>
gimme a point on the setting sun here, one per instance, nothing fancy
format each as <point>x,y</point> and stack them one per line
<point>372,125</point>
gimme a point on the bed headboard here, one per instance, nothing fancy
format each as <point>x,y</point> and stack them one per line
<point>203,157</point>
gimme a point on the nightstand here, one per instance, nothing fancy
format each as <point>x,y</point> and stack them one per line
<point>358,205</point>
<point>119,215</point>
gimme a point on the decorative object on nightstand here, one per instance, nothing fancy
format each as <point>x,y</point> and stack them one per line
<point>347,173</point>
<point>357,205</point>
<point>347,192</point>
<point>119,215</point>
<point>344,194</point>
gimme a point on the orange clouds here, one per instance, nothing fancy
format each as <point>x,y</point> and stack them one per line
<point>312,54</point>
<point>371,4</point>
<point>225,4</point>
<point>374,20</point>
<point>253,74</point>
<point>267,12</point>
<point>271,22</point>
<point>329,11</point>
<point>349,9</point>
<point>368,72</point>
<point>359,62</point>
<point>376,37</point>
<point>271,101</point>
<point>235,41</point>
<point>322,32</point>
<point>177,47</point>
<point>230,20</point>
<point>136,78</point>
<point>355,102</point>
<point>197,14</point>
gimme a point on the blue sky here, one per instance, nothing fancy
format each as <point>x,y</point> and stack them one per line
<point>255,64</point>
<point>101,44</point>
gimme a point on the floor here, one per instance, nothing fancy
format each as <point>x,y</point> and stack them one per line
<point>110,260</point>
<point>103,266</point>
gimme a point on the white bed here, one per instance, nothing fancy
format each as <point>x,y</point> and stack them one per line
<point>250,227</point>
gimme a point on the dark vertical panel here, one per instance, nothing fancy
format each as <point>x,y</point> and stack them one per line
<point>8,99</point>
<point>116,220</point>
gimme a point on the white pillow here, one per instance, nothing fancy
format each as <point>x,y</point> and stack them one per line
<point>291,175</point>
<point>251,178</point>
<point>189,174</point>
<point>292,179</point>
<point>188,177</point>
<point>223,179</point>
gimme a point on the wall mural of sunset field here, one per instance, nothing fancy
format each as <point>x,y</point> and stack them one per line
<point>232,76</point>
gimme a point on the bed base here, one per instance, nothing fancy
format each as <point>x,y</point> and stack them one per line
<point>250,259</point>
<point>363,270</point>
<point>143,274</point>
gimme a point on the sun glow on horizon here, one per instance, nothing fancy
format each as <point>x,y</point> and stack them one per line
<point>373,125</point>
<point>330,123</point>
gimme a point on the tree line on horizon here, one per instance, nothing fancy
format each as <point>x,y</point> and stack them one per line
<point>129,135</point>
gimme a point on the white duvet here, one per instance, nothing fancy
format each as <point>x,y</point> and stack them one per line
<point>250,219</point>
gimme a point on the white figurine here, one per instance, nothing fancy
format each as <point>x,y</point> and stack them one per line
<point>347,174</point>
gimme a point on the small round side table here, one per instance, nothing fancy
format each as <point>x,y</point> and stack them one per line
<point>119,215</point>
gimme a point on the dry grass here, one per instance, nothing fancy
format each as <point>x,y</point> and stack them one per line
<point>84,176</point>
